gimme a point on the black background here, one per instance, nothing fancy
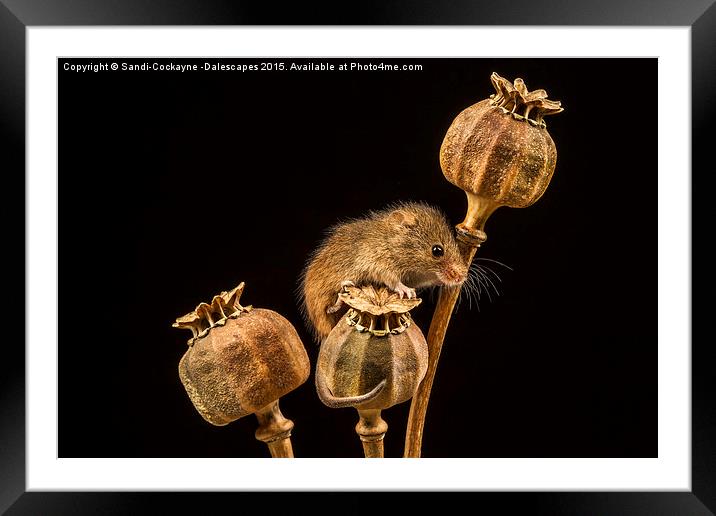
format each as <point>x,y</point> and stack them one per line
<point>173,187</point>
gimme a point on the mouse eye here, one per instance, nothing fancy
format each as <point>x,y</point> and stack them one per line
<point>438,251</point>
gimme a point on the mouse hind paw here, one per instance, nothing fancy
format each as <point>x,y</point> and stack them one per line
<point>339,301</point>
<point>335,306</point>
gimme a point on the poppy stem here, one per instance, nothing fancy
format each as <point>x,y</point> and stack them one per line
<point>470,235</point>
<point>275,431</point>
<point>371,429</point>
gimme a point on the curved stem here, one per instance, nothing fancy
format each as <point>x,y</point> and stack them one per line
<point>470,235</point>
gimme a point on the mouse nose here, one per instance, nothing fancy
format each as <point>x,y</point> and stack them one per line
<point>454,275</point>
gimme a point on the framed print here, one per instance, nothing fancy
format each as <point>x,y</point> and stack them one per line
<point>189,166</point>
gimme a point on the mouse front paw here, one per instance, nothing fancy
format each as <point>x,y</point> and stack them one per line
<point>404,291</point>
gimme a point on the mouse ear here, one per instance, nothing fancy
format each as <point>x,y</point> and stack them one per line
<point>402,218</point>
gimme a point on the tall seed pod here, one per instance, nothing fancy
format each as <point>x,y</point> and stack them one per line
<point>498,151</point>
<point>374,358</point>
<point>240,361</point>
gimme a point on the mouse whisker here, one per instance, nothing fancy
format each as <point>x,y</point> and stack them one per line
<point>468,292</point>
<point>459,299</point>
<point>487,278</point>
<point>491,271</point>
<point>494,286</point>
<point>495,261</point>
<point>487,273</point>
<point>476,294</point>
<point>480,284</point>
<point>476,285</point>
<point>481,278</point>
<point>471,289</point>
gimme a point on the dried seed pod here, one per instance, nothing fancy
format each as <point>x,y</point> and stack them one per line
<point>373,358</point>
<point>499,151</point>
<point>240,361</point>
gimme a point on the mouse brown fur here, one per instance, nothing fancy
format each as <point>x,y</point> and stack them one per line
<point>405,246</point>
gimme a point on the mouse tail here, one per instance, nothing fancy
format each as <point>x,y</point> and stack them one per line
<point>332,401</point>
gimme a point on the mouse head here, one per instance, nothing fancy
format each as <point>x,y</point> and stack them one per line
<point>428,253</point>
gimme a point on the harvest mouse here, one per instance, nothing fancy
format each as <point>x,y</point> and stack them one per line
<point>405,246</point>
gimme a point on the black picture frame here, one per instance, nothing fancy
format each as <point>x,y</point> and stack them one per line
<point>17,15</point>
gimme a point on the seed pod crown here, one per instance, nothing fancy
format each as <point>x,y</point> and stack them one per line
<point>513,98</point>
